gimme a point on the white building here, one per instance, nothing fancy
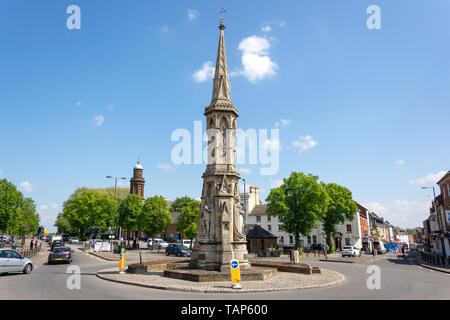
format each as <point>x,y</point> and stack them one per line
<point>349,233</point>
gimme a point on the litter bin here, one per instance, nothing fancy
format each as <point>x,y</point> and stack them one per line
<point>118,249</point>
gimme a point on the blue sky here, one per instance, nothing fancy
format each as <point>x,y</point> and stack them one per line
<point>366,108</point>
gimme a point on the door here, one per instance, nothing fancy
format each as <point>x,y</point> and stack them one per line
<point>4,261</point>
<point>16,262</point>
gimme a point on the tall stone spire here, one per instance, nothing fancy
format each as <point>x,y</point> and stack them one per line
<point>221,84</point>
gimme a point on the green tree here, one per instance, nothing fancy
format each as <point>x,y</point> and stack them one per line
<point>62,224</point>
<point>11,204</point>
<point>187,222</point>
<point>154,216</point>
<point>86,209</point>
<point>340,207</point>
<point>129,209</point>
<point>180,203</point>
<point>300,203</point>
<point>26,221</point>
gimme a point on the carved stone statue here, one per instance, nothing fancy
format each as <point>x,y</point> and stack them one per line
<point>239,228</point>
<point>206,215</point>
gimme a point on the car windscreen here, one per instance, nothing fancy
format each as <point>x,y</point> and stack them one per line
<point>347,248</point>
<point>61,249</point>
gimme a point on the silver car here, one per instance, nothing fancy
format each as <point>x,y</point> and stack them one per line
<point>11,261</point>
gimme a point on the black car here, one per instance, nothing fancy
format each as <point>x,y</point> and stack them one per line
<point>57,243</point>
<point>60,254</point>
<point>178,250</point>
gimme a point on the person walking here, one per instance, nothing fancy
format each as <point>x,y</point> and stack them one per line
<point>31,244</point>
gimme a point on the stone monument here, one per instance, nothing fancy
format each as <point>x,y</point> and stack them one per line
<point>221,229</point>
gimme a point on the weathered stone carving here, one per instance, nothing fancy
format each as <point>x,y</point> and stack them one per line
<point>239,230</point>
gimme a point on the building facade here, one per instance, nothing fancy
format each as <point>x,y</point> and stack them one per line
<point>444,213</point>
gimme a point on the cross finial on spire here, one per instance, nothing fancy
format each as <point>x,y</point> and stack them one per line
<point>222,11</point>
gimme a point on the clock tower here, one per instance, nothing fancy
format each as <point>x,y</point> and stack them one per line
<point>221,235</point>
<point>137,182</point>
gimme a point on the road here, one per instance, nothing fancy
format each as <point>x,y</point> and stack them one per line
<point>400,279</point>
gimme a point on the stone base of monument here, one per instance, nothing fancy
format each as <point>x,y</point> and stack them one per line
<point>198,275</point>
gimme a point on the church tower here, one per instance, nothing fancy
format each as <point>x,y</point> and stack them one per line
<point>137,182</point>
<point>221,235</point>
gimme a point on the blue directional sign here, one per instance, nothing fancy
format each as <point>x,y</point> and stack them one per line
<point>234,264</point>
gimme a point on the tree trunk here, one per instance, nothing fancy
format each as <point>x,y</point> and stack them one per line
<point>298,245</point>
<point>330,243</point>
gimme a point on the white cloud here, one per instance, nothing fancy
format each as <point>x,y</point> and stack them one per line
<point>79,104</point>
<point>282,123</point>
<point>1,172</point>
<point>110,107</point>
<point>54,206</point>
<point>304,143</point>
<point>205,73</point>
<point>431,178</point>
<point>245,170</point>
<point>165,167</point>
<point>193,14</point>
<point>255,60</point>
<point>26,186</point>
<point>376,207</point>
<point>401,213</point>
<point>98,120</point>
<point>165,29</point>
<point>266,29</point>
<point>43,207</point>
<point>400,162</point>
<point>282,24</point>
<point>276,183</point>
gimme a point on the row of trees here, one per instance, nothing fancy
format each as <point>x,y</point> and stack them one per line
<point>18,216</point>
<point>88,208</point>
<point>302,202</point>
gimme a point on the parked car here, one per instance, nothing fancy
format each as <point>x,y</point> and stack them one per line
<point>178,250</point>
<point>12,261</point>
<point>74,240</point>
<point>60,254</point>
<point>379,245</point>
<point>5,239</point>
<point>351,251</point>
<point>159,244</point>
<point>187,243</point>
<point>65,237</point>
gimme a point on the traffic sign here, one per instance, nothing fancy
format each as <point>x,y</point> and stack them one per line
<point>235,274</point>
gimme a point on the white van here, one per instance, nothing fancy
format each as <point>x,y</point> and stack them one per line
<point>379,245</point>
<point>187,243</point>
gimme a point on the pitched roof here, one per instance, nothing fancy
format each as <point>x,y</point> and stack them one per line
<point>259,210</point>
<point>259,232</point>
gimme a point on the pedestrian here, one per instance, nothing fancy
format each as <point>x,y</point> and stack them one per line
<point>31,244</point>
<point>35,243</point>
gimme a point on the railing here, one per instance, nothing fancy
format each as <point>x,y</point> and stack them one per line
<point>28,253</point>
<point>436,259</point>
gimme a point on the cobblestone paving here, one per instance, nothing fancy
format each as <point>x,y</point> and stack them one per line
<point>283,281</point>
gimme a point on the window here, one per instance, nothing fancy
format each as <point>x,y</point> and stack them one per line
<point>269,218</point>
<point>280,227</point>
<point>349,228</point>
<point>314,239</point>
<point>269,227</point>
<point>347,241</point>
<point>281,239</point>
<point>291,239</point>
<point>258,218</point>
<point>309,239</point>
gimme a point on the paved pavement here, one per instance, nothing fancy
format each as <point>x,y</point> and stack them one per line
<point>400,279</point>
<point>282,281</point>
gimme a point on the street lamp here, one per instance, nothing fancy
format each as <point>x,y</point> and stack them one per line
<point>245,206</point>
<point>438,218</point>
<point>115,191</point>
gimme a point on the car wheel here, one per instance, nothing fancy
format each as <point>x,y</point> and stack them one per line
<point>178,254</point>
<point>167,253</point>
<point>27,269</point>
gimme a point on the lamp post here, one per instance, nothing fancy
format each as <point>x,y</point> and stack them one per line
<point>115,192</point>
<point>245,206</point>
<point>438,219</point>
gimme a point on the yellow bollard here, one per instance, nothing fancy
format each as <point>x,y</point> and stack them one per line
<point>122,261</point>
